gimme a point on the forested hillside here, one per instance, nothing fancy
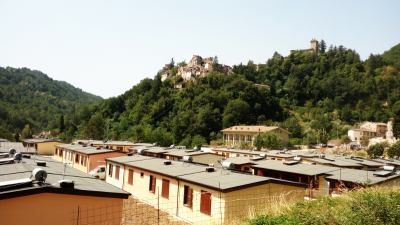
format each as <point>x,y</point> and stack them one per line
<point>316,95</point>
<point>31,98</point>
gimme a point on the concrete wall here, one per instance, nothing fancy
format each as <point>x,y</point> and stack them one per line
<point>241,203</point>
<point>60,209</point>
<point>112,179</point>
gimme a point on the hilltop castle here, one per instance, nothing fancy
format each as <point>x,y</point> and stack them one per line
<point>314,47</point>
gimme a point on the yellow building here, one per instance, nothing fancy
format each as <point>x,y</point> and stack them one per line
<point>83,158</point>
<point>238,135</point>
<point>42,146</point>
<point>62,197</point>
<point>195,193</point>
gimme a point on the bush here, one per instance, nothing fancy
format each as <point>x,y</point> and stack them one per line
<point>394,150</point>
<point>375,150</point>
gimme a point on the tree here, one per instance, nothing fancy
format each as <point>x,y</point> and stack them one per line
<point>198,141</point>
<point>61,126</point>
<point>396,126</point>
<point>268,140</point>
<point>394,150</point>
<point>322,46</point>
<point>375,150</point>
<point>95,127</point>
<point>26,132</point>
<point>236,112</point>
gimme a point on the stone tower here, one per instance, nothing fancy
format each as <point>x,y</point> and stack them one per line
<point>314,45</point>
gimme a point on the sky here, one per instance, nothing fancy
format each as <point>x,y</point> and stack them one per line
<point>105,47</point>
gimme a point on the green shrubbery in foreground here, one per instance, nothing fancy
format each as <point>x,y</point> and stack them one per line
<point>368,206</point>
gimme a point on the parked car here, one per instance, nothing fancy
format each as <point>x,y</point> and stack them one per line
<point>99,172</point>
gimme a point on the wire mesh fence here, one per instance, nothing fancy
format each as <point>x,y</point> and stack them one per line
<point>217,208</point>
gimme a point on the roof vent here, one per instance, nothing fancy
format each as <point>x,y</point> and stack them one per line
<point>40,163</point>
<point>39,174</point>
<point>66,183</point>
<point>187,158</point>
<point>141,151</point>
<point>12,151</point>
<point>26,156</point>
<point>289,163</point>
<point>388,168</point>
<point>227,165</point>
<point>167,162</point>
<point>322,156</point>
<point>18,157</point>
<point>98,148</point>
<point>210,169</point>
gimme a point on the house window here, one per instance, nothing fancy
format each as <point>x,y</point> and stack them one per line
<point>141,174</point>
<point>117,172</point>
<point>187,196</point>
<point>165,188</point>
<point>205,202</point>
<point>110,170</point>
<point>130,176</point>
<point>77,158</point>
<point>152,184</point>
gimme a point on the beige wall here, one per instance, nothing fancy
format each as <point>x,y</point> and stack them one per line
<point>47,148</point>
<point>236,138</point>
<point>223,205</point>
<point>255,199</point>
<point>60,209</point>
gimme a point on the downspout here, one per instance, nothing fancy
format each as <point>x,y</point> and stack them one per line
<point>123,177</point>
<point>177,200</point>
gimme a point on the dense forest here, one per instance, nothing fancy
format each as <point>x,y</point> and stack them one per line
<point>317,96</point>
<point>31,99</point>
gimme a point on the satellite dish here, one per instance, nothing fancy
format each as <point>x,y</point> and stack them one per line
<point>39,174</point>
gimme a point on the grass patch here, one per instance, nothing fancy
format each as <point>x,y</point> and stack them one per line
<point>372,206</point>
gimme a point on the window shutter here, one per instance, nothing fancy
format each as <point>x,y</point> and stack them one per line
<point>130,177</point>
<point>205,202</point>
<point>190,197</point>
<point>165,188</point>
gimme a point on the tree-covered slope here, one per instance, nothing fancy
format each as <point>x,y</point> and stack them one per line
<point>31,97</point>
<point>393,55</point>
<point>317,96</point>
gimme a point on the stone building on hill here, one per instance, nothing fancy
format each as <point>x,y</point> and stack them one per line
<point>196,68</point>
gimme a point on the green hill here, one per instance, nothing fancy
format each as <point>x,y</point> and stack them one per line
<point>315,95</point>
<point>31,97</point>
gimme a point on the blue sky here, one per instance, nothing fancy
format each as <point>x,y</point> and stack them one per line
<point>105,47</point>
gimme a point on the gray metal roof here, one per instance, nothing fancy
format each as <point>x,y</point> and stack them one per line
<point>240,160</point>
<point>84,183</point>
<point>184,152</point>
<point>359,176</point>
<point>175,169</point>
<point>157,150</point>
<point>361,161</point>
<point>334,162</point>
<point>88,150</point>
<point>6,146</point>
<point>220,179</point>
<point>393,162</point>
<point>125,159</point>
<point>300,168</point>
<point>40,140</point>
